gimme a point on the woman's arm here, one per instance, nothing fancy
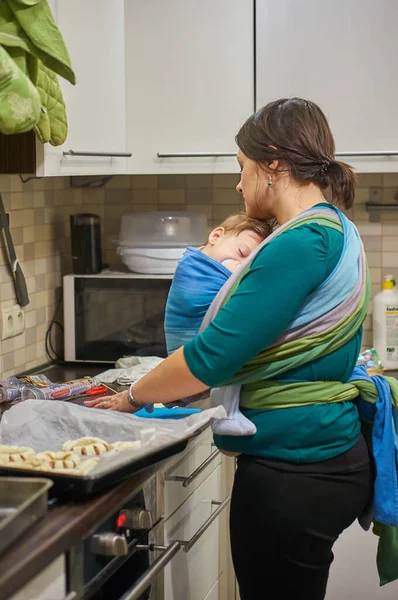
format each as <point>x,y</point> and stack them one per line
<point>171,380</point>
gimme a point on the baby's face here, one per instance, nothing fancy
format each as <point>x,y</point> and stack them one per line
<point>233,247</point>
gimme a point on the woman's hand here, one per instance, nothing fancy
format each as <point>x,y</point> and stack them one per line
<point>116,402</point>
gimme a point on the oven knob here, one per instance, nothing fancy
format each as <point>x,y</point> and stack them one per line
<point>109,544</point>
<point>136,518</point>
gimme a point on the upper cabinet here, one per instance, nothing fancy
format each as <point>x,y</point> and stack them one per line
<point>93,31</point>
<point>189,83</point>
<point>343,55</point>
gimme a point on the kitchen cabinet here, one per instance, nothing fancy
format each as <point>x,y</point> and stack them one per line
<point>189,83</point>
<point>93,31</point>
<point>205,572</point>
<point>343,55</point>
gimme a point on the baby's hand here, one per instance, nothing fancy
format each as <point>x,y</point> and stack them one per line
<point>231,264</point>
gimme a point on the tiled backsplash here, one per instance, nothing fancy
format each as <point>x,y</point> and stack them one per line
<point>39,218</point>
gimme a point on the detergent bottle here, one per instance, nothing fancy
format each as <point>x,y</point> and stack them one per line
<point>385,323</point>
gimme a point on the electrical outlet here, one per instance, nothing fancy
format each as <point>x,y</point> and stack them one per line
<point>19,319</point>
<point>7,323</point>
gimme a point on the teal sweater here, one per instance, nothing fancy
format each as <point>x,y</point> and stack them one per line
<point>282,275</point>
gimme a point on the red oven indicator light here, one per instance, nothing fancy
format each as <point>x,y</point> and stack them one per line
<point>121,520</point>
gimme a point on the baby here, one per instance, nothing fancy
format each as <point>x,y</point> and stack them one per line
<point>199,276</point>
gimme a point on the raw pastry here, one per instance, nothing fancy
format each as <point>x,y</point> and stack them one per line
<point>15,454</point>
<point>87,446</point>
<point>57,460</point>
<point>117,446</point>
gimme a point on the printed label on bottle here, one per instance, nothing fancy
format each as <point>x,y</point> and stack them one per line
<point>392,333</point>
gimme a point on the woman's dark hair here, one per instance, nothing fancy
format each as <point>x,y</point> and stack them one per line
<point>296,132</point>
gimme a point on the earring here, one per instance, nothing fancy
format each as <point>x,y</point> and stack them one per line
<point>269,181</point>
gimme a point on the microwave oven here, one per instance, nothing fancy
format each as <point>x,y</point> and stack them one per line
<point>110,315</point>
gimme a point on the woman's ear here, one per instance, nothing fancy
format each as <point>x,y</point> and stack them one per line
<point>274,165</point>
<point>216,235</point>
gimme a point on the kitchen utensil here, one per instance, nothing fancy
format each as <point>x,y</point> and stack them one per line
<point>19,278</point>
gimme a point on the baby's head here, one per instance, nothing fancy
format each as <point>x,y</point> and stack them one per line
<point>235,239</point>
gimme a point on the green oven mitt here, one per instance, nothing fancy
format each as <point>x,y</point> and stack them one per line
<point>19,98</point>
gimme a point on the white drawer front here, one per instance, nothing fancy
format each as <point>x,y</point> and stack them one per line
<point>175,492</point>
<point>215,591</point>
<point>191,575</point>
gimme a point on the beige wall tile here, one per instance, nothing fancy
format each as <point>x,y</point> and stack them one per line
<point>172,196</point>
<point>374,259</point>
<point>229,181</point>
<point>199,196</point>
<point>369,228</point>
<point>122,196</point>
<point>375,274</point>
<point>371,243</point>
<point>390,180</point>
<point>369,180</point>
<point>199,181</point>
<point>225,196</point>
<point>144,197</point>
<point>144,182</point>
<point>171,182</point>
<point>389,243</point>
<point>390,259</point>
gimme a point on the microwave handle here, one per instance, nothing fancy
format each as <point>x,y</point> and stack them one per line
<point>135,592</point>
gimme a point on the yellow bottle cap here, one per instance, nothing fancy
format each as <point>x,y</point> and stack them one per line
<point>387,285</point>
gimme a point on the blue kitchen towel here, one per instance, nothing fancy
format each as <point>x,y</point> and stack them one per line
<point>166,413</point>
<point>384,416</point>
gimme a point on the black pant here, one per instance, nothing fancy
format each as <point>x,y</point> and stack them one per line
<point>286,517</point>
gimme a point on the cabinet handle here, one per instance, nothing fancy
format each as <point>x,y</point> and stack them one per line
<point>145,580</point>
<point>85,153</point>
<point>372,153</point>
<point>196,536</point>
<point>186,481</point>
<point>195,154</point>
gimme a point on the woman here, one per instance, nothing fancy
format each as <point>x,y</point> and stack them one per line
<point>305,476</point>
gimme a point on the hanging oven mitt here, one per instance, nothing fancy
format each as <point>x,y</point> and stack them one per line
<point>19,98</point>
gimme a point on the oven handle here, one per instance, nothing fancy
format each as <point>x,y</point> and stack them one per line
<point>196,536</point>
<point>145,580</point>
<point>186,481</point>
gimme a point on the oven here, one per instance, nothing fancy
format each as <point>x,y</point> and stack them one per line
<point>121,558</point>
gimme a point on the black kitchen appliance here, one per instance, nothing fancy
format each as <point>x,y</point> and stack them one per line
<point>85,233</point>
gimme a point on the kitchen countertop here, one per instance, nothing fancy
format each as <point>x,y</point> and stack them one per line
<point>66,524</point>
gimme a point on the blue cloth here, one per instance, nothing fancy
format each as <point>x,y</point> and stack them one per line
<point>166,413</point>
<point>197,280</point>
<point>384,416</point>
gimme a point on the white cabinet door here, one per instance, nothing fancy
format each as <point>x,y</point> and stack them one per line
<point>190,82</point>
<point>353,574</point>
<point>93,31</point>
<point>342,55</point>
<point>193,574</point>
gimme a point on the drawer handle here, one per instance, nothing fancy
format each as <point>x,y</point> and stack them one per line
<point>186,481</point>
<point>195,154</point>
<point>145,580</point>
<point>196,536</point>
<point>85,153</point>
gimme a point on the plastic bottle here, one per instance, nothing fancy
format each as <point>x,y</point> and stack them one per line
<point>385,323</point>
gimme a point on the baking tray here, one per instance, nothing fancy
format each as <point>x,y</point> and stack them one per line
<point>75,487</point>
<point>22,502</point>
